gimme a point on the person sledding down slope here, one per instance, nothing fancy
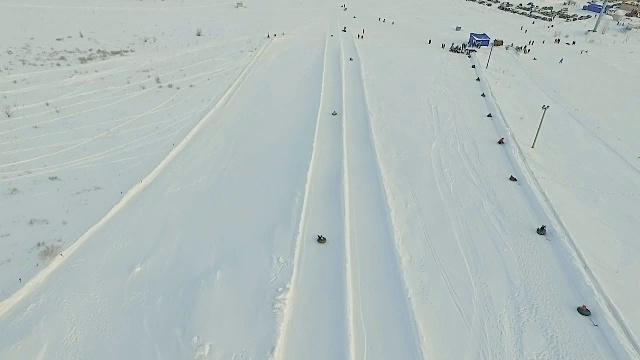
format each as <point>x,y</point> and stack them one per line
<point>512,178</point>
<point>583,310</point>
<point>542,230</point>
<point>501,141</point>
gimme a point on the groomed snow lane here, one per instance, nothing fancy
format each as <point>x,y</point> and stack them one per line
<point>315,319</point>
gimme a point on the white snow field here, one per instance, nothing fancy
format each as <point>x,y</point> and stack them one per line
<point>162,191</point>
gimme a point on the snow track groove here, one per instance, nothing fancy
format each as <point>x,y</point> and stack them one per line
<point>315,323</point>
<point>41,277</point>
<point>379,299</point>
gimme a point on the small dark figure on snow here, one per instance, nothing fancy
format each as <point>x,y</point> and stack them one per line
<point>429,41</point>
<point>512,178</point>
<point>483,95</point>
<point>358,36</point>
<point>384,20</point>
<point>322,239</point>
<point>393,23</point>
<point>489,115</point>
<point>501,141</point>
<point>583,310</point>
<point>350,59</point>
<point>473,66</point>
<point>478,78</point>
<point>542,230</point>
<point>334,113</point>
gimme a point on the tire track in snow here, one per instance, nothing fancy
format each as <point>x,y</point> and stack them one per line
<point>314,323</point>
<point>106,153</point>
<point>387,328</point>
<point>33,284</point>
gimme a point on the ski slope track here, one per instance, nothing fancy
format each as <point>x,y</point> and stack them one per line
<point>569,253</point>
<point>316,325</point>
<point>7,304</point>
<point>171,165</point>
<point>382,323</point>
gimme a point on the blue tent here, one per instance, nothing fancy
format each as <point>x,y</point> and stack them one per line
<point>479,39</point>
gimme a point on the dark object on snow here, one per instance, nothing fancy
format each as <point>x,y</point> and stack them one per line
<point>334,113</point>
<point>489,115</point>
<point>501,141</point>
<point>350,59</point>
<point>483,95</point>
<point>512,178</point>
<point>473,66</point>
<point>322,239</point>
<point>542,230</point>
<point>478,78</point>
<point>354,17</point>
<point>583,310</point>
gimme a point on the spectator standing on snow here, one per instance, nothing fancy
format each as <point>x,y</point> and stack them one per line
<point>561,60</point>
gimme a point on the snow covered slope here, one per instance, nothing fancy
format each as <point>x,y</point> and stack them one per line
<point>164,191</point>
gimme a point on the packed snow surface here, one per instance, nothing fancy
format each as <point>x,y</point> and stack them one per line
<point>167,166</point>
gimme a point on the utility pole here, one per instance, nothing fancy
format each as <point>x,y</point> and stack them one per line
<point>489,59</point>
<point>602,11</point>
<point>544,111</point>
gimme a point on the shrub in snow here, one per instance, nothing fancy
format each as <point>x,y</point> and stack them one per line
<point>50,251</point>
<point>8,110</point>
